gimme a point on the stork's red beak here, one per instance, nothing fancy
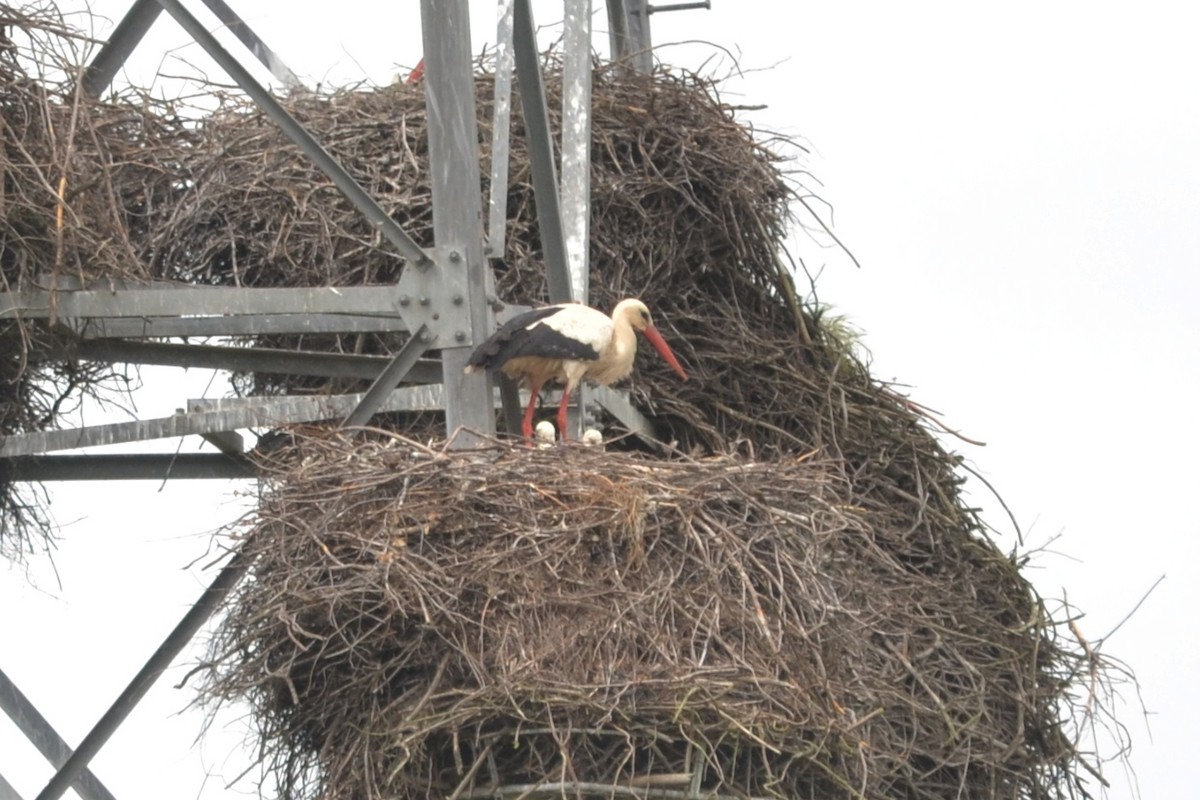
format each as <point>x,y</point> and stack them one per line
<point>660,344</point>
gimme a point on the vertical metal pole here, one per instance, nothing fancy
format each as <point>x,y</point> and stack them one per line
<point>618,30</point>
<point>457,209</point>
<point>629,34</point>
<point>501,127</point>
<point>577,141</point>
<point>510,398</point>
<point>639,34</point>
<point>541,153</point>
<point>577,165</point>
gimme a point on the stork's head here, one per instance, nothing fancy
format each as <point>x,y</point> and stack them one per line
<point>634,312</point>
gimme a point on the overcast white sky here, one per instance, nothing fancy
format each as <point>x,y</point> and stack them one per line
<point>1019,182</point>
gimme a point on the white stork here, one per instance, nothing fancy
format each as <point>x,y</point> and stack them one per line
<point>567,343</point>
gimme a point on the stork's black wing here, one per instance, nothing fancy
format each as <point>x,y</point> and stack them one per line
<point>529,334</point>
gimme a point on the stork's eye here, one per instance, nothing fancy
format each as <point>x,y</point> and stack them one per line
<point>645,316</point>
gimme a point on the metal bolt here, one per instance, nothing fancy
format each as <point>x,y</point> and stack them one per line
<point>424,337</point>
<point>405,300</point>
<point>458,299</point>
<point>497,306</point>
<point>455,256</point>
<point>424,301</point>
<point>460,336</point>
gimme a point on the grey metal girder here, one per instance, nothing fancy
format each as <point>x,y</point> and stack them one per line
<point>265,412</point>
<point>629,34</point>
<point>389,378</point>
<point>457,213</point>
<point>202,301</point>
<point>541,153</point>
<point>7,790</point>
<point>128,467</point>
<point>41,734</point>
<point>254,43</point>
<point>249,359</point>
<point>501,132</point>
<point>99,74</point>
<point>576,204</point>
<point>228,325</point>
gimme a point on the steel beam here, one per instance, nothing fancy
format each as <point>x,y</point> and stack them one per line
<point>457,213</point>
<point>99,74</point>
<point>498,189</point>
<point>577,141</point>
<point>41,733</point>
<point>617,403</point>
<point>7,791</point>
<point>203,301</point>
<point>301,137</point>
<point>629,34</point>
<point>618,30</point>
<point>577,165</point>
<point>311,409</point>
<point>639,36</point>
<point>501,132</point>
<point>389,378</point>
<point>128,467</point>
<point>248,359</point>
<point>265,412</point>
<point>241,325</point>
<point>245,324</point>
<point>195,618</point>
<point>254,44</point>
<point>510,400</point>
<point>541,153</point>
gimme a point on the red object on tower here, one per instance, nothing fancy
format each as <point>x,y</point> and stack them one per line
<point>567,343</point>
<point>417,73</point>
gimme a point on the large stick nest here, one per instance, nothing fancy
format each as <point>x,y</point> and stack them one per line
<point>689,212</point>
<point>431,624</point>
<point>75,178</point>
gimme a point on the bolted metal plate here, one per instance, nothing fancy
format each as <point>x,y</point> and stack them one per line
<point>437,297</point>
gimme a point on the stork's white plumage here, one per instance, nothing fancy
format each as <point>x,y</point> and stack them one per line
<point>567,343</point>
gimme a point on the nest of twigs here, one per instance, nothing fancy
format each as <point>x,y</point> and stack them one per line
<point>818,617</point>
<point>603,624</point>
<point>689,209</point>
<point>72,173</point>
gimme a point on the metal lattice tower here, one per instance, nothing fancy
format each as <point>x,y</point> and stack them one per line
<point>445,297</point>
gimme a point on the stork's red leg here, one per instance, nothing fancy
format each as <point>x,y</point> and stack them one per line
<point>562,414</point>
<point>527,422</point>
